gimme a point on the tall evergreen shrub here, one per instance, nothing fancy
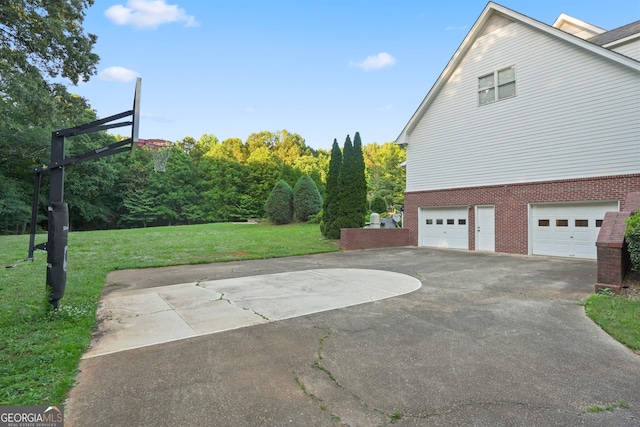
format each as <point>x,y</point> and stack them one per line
<point>345,206</point>
<point>359,183</point>
<point>307,200</point>
<point>279,206</point>
<point>330,204</point>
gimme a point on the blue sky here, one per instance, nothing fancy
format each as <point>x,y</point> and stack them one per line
<point>322,69</point>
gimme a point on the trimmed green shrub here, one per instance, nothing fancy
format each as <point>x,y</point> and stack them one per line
<point>279,206</point>
<point>379,205</point>
<point>632,237</point>
<point>307,200</point>
<point>315,219</point>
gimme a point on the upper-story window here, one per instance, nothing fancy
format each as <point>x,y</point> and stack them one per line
<point>498,85</point>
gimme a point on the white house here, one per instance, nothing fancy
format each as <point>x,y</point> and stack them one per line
<point>530,134</point>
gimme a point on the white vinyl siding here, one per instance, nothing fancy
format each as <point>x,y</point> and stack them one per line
<point>631,49</point>
<point>576,115</point>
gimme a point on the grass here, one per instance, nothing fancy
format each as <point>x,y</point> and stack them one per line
<point>617,315</point>
<point>40,349</point>
<point>609,408</point>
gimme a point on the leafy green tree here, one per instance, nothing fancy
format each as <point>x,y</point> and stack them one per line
<point>15,211</point>
<point>378,205</point>
<point>40,42</point>
<point>236,147</point>
<point>330,206</point>
<point>260,140</point>
<point>307,200</point>
<point>263,171</point>
<point>316,166</point>
<point>21,149</point>
<point>279,206</point>
<point>385,176</point>
<point>49,36</point>
<point>161,198</point>
<point>139,208</point>
<point>223,184</point>
<point>289,174</point>
<point>197,149</point>
<point>89,185</point>
<point>176,189</point>
<point>187,144</point>
<point>289,147</point>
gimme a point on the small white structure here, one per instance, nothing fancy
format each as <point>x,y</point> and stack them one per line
<point>374,221</point>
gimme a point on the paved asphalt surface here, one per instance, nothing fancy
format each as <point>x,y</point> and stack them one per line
<point>487,340</point>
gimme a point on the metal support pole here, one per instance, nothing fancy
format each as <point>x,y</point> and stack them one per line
<point>34,215</point>
<point>58,225</point>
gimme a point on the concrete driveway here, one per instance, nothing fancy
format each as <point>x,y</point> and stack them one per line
<point>487,340</point>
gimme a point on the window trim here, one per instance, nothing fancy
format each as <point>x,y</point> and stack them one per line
<point>496,86</point>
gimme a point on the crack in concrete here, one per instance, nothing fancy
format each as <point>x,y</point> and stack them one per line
<point>323,403</point>
<point>233,304</point>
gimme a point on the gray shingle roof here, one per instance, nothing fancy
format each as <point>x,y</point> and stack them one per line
<point>616,34</point>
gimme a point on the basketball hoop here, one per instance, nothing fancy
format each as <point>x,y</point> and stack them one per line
<point>160,157</point>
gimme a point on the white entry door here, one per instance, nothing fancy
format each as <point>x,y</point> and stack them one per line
<point>485,228</point>
<point>567,229</point>
<point>444,227</point>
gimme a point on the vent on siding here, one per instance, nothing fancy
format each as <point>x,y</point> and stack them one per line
<point>495,22</point>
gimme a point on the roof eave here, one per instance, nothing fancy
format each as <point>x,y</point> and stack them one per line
<point>621,41</point>
<point>491,7</point>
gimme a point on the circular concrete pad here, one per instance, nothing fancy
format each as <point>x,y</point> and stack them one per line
<point>136,318</point>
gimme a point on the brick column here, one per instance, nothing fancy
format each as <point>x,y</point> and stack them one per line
<point>613,256</point>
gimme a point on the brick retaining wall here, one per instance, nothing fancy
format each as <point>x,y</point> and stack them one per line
<point>368,238</point>
<point>613,255</point>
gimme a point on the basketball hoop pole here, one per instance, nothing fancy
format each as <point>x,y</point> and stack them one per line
<point>58,211</point>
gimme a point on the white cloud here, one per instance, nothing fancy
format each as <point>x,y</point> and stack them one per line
<point>117,74</point>
<point>156,117</point>
<point>149,14</point>
<point>387,107</point>
<point>375,62</point>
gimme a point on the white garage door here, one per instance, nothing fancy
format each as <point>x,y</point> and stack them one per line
<point>444,227</point>
<point>569,230</point>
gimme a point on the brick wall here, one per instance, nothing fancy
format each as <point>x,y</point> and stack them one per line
<point>367,238</point>
<point>511,204</point>
<point>613,256</point>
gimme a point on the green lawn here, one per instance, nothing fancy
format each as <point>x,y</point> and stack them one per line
<point>40,350</point>
<point>617,315</point>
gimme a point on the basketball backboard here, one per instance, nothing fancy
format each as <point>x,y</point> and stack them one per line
<point>136,116</point>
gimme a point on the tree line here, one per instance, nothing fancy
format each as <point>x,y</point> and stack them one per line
<point>206,180</point>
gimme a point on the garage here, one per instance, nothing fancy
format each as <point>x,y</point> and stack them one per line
<point>444,227</point>
<point>567,229</point>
